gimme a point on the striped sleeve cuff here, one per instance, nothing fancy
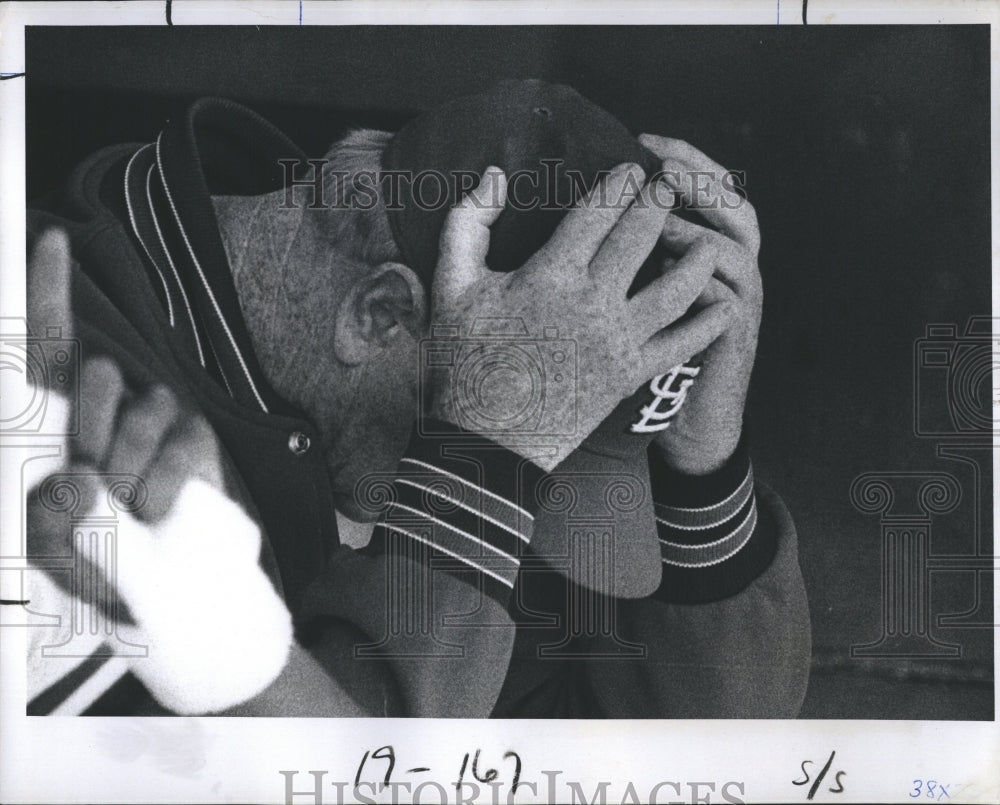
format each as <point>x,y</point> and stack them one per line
<point>458,502</point>
<point>713,543</point>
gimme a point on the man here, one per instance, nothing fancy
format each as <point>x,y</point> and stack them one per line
<point>300,348</point>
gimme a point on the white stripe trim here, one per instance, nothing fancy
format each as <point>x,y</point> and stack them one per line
<point>218,365</point>
<point>720,559</point>
<point>173,268</point>
<point>668,524</point>
<point>468,508</point>
<point>138,236</point>
<point>713,524</point>
<point>723,502</point>
<point>685,547</point>
<point>485,491</point>
<point>464,559</point>
<point>465,534</point>
<point>92,688</point>
<point>204,281</point>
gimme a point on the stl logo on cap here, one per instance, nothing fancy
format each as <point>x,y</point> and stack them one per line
<point>670,389</point>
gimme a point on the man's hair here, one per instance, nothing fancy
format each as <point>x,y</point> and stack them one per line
<point>355,226</point>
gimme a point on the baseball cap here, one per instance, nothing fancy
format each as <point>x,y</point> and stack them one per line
<point>595,521</point>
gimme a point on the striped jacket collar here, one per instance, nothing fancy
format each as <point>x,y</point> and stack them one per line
<point>216,147</point>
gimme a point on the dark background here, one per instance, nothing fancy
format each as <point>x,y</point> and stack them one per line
<point>866,152</point>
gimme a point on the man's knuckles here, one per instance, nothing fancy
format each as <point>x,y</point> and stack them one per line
<point>102,379</point>
<point>101,390</point>
<point>145,422</point>
<point>733,259</point>
<point>664,146</point>
<point>53,505</point>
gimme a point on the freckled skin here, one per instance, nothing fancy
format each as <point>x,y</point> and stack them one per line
<point>707,429</point>
<point>577,283</point>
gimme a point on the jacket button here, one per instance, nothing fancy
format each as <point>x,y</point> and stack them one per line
<point>299,443</point>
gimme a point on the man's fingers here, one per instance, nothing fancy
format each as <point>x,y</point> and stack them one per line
<point>721,206</point>
<point>670,148</point>
<point>714,291</point>
<point>101,390</point>
<point>142,426</point>
<point>628,245</point>
<point>465,238</point>
<point>50,320</point>
<point>708,188</point>
<point>190,451</point>
<point>49,521</point>
<point>734,266</point>
<point>585,227</point>
<point>206,463</point>
<point>48,291</point>
<point>688,337</point>
<point>679,235</point>
<point>666,299</point>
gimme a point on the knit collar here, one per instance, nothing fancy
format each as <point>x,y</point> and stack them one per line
<point>217,147</point>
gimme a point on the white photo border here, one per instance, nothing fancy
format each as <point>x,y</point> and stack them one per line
<point>45,759</point>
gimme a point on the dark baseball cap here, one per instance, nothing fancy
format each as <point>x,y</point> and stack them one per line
<point>553,145</point>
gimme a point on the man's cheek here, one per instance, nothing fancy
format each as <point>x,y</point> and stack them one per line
<point>397,418</point>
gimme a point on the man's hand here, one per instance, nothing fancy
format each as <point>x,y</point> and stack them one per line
<point>121,432</point>
<point>576,283</point>
<point>186,562</point>
<point>146,435</point>
<point>706,430</point>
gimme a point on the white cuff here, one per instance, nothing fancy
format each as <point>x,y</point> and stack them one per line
<point>218,634</point>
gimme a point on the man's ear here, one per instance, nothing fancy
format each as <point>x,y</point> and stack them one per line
<point>380,306</point>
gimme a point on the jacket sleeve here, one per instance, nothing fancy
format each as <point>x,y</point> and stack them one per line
<point>727,634</point>
<point>427,600</point>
